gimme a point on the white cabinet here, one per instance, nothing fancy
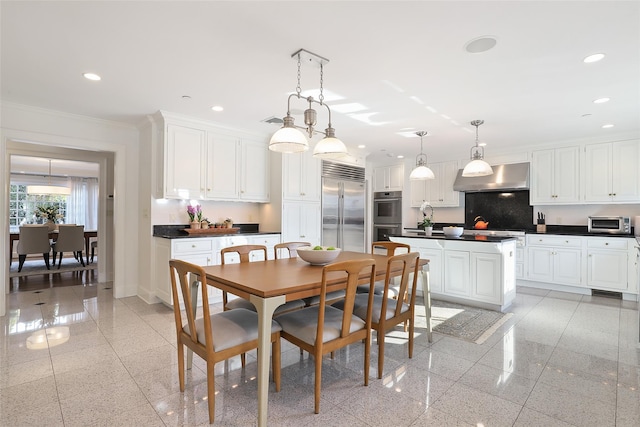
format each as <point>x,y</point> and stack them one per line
<point>301,177</point>
<point>184,162</point>
<point>486,276</point>
<point>456,270</point>
<point>612,173</point>
<point>301,222</point>
<point>238,169</point>
<point>439,191</point>
<point>555,176</point>
<point>608,262</point>
<point>268,240</point>
<point>554,259</point>
<point>435,257</point>
<point>388,178</point>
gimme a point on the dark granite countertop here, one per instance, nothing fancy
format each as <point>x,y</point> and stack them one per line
<point>566,230</point>
<point>177,231</point>
<point>463,238</point>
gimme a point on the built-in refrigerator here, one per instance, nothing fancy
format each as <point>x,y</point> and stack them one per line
<point>343,206</point>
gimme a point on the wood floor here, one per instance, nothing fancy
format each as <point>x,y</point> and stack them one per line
<point>52,280</point>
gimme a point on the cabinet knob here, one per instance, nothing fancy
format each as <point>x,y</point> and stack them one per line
<point>193,246</point>
<point>241,191</point>
<point>606,244</point>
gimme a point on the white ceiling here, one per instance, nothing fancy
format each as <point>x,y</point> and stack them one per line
<point>404,62</point>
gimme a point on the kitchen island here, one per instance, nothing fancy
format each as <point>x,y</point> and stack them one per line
<point>474,270</point>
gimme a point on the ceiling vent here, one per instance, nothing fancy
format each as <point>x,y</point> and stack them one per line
<point>273,120</point>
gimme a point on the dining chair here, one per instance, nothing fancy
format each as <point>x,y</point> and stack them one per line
<point>33,239</point>
<point>94,246</point>
<point>389,249</point>
<point>322,329</point>
<point>70,239</point>
<point>244,252</point>
<point>290,248</point>
<point>213,337</point>
<point>389,312</point>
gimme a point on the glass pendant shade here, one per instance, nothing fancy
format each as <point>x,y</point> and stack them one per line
<point>48,189</point>
<point>421,172</point>
<point>330,147</point>
<point>477,167</point>
<point>288,139</point>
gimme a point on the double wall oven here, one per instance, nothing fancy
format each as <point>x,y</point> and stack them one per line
<point>387,214</point>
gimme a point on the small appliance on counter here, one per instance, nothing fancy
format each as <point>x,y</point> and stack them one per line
<point>609,224</point>
<point>541,226</point>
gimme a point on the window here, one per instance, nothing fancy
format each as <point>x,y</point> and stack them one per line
<point>22,205</point>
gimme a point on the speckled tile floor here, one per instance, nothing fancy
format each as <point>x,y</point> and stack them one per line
<point>75,356</point>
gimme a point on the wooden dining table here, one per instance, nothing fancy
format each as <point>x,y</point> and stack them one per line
<point>88,234</point>
<point>269,284</point>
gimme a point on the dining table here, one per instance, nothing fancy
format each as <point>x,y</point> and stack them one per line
<point>269,284</point>
<point>88,234</point>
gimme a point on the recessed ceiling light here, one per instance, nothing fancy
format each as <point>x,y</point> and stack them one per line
<point>482,144</point>
<point>480,44</point>
<point>92,76</point>
<point>400,156</point>
<point>600,100</point>
<point>362,146</point>
<point>217,108</point>
<point>593,58</point>
<point>607,126</point>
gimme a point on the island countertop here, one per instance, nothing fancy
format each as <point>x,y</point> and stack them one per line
<point>463,238</point>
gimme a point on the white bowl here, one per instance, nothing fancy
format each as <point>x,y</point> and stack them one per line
<point>453,231</point>
<point>318,257</point>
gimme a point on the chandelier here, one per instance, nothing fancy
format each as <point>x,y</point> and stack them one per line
<point>421,171</point>
<point>289,138</point>
<point>477,166</point>
<point>54,190</point>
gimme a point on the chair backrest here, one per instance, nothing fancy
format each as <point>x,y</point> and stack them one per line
<point>243,251</point>
<point>390,247</point>
<point>410,265</point>
<point>187,273</point>
<point>290,247</point>
<point>353,269</point>
<point>33,239</point>
<point>70,238</point>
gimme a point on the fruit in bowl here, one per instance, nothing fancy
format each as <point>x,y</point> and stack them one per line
<point>453,231</point>
<point>318,255</point>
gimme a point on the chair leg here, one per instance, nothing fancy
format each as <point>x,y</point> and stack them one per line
<point>243,359</point>
<point>276,361</point>
<point>211,390</point>
<point>181,365</point>
<point>380,339</point>
<point>411,321</point>
<point>21,259</point>
<point>93,252</point>
<point>60,261</point>
<point>79,253</point>
<point>367,357</point>
<point>318,380</point>
<point>46,260</point>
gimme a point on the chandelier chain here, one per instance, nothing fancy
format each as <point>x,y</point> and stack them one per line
<point>321,83</point>
<point>299,88</point>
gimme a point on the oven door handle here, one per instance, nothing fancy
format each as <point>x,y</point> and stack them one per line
<point>396,199</point>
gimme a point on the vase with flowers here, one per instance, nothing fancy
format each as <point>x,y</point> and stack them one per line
<point>195,215</point>
<point>427,219</point>
<point>50,214</point>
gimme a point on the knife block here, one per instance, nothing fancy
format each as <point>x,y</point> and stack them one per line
<point>541,228</point>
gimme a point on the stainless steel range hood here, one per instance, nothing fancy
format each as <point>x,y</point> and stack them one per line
<point>514,176</point>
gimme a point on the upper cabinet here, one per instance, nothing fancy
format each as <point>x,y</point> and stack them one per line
<point>612,173</point>
<point>388,178</point>
<point>439,191</point>
<point>555,176</point>
<point>301,177</point>
<point>202,162</point>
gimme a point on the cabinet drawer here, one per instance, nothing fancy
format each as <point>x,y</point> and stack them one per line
<point>268,241</point>
<point>604,243</point>
<point>189,246</point>
<point>558,241</point>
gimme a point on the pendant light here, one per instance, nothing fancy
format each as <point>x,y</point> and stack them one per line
<point>289,139</point>
<point>421,171</point>
<point>477,166</point>
<point>49,189</point>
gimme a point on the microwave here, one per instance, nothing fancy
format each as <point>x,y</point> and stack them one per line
<point>609,224</point>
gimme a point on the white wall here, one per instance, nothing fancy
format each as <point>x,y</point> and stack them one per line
<point>54,129</point>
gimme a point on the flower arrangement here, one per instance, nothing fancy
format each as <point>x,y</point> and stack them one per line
<point>48,212</point>
<point>427,220</point>
<point>195,213</point>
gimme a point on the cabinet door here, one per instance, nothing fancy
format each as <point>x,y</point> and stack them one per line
<point>540,264</point>
<point>435,268</point>
<point>625,180</point>
<point>542,168</point>
<point>311,223</point>
<point>607,269</point>
<point>566,175</point>
<point>222,171</point>
<point>441,188</point>
<point>388,178</point>
<point>566,266</point>
<point>254,178</point>
<point>486,277</point>
<point>418,192</point>
<point>456,270</point>
<point>381,179</point>
<point>184,162</point>
<point>598,173</point>
<point>396,177</point>
<point>301,177</point>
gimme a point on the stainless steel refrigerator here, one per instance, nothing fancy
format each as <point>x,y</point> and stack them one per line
<point>343,207</point>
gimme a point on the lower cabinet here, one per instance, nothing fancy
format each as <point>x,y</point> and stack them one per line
<point>554,259</point>
<point>456,270</point>
<point>435,257</point>
<point>486,276</point>
<point>608,264</point>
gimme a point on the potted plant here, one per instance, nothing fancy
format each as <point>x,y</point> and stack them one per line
<point>228,223</point>
<point>427,220</point>
<point>195,215</point>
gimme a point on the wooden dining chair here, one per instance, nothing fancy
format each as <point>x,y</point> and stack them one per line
<point>290,248</point>
<point>388,249</point>
<point>389,312</point>
<point>213,337</point>
<point>322,329</point>
<point>33,239</point>
<point>70,239</point>
<point>244,252</point>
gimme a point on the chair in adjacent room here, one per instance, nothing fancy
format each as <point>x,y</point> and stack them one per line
<point>34,239</point>
<point>94,246</point>
<point>214,337</point>
<point>322,329</point>
<point>390,249</point>
<point>245,252</point>
<point>389,312</point>
<point>70,239</point>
